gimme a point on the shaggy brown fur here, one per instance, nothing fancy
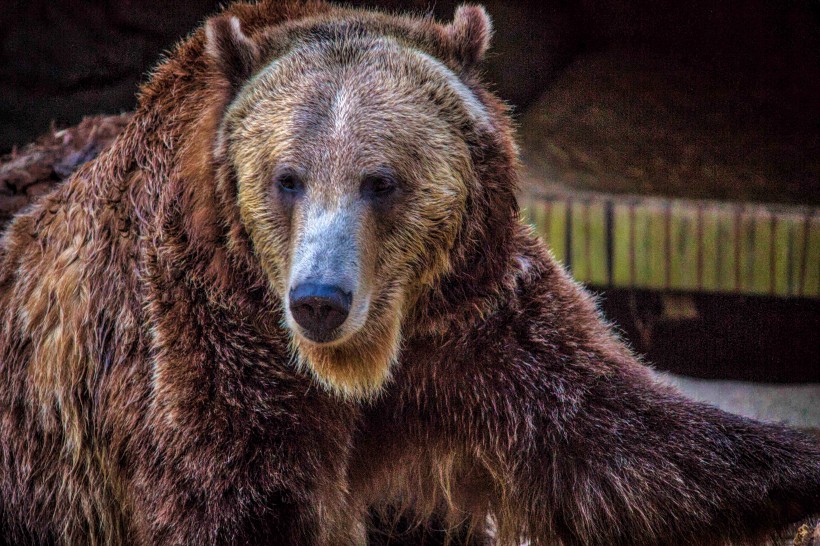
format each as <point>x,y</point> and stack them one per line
<point>151,393</point>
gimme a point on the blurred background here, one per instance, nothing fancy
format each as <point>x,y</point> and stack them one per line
<point>671,159</point>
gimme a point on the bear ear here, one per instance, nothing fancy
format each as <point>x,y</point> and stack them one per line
<point>234,55</point>
<point>470,32</point>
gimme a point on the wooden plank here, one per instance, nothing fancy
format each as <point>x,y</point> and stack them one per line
<point>659,265</point>
<point>726,266</point>
<point>650,235</point>
<point>558,230</point>
<point>596,241</point>
<point>621,244</point>
<point>579,260</point>
<point>746,237</point>
<point>761,281</point>
<point>798,242</point>
<point>683,260</point>
<point>710,249</point>
<point>589,256</point>
<point>639,243</point>
<point>782,229</point>
<point>811,282</point>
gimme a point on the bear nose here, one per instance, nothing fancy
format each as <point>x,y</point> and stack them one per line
<point>319,308</point>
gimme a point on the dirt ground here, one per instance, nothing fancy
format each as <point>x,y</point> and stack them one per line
<point>632,121</point>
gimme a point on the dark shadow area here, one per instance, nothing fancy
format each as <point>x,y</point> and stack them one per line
<point>61,60</point>
<point>746,338</point>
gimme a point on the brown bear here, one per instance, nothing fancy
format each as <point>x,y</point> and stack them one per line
<point>294,298</point>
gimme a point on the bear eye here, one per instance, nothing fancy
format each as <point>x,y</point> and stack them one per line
<point>378,185</point>
<point>289,182</point>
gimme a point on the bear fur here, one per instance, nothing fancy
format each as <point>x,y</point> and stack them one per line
<point>155,390</point>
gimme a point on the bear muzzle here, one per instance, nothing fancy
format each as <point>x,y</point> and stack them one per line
<point>327,299</point>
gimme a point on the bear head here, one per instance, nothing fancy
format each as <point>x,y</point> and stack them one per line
<point>358,145</point>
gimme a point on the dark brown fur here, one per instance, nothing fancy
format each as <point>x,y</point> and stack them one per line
<point>149,395</point>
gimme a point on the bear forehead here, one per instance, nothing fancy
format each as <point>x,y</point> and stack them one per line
<point>355,104</point>
<point>381,76</point>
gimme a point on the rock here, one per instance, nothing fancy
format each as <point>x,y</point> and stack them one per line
<point>34,170</point>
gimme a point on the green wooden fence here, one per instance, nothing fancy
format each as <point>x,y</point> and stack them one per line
<point>681,245</point>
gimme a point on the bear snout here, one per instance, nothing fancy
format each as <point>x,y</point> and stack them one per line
<point>319,309</point>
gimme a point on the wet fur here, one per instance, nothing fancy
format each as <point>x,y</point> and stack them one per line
<point>149,389</point>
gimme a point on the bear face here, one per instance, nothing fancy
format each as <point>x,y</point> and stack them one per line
<point>352,163</point>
